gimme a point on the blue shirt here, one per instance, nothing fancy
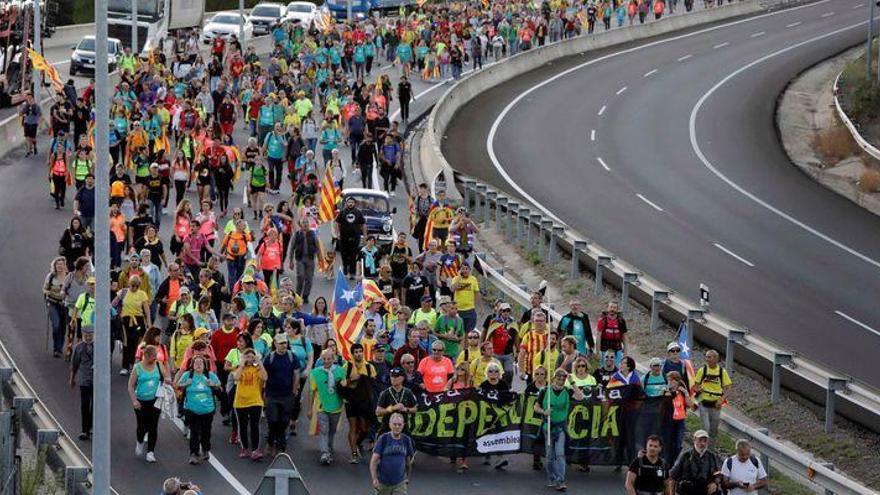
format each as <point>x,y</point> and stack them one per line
<point>393,453</point>
<point>199,397</point>
<point>86,198</point>
<point>147,382</point>
<point>280,369</point>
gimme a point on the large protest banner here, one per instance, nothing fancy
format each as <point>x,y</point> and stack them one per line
<point>471,423</point>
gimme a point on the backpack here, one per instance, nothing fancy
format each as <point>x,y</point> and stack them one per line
<point>729,462</point>
<point>290,357</point>
<point>236,245</point>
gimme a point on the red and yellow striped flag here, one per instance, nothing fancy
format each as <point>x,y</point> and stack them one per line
<point>329,197</point>
<point>40,63</point>
<point>373,293</point>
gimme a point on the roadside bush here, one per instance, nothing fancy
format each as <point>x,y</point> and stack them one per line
<point>835,144</point>
<point>860,96</point>
<point>869,182</point>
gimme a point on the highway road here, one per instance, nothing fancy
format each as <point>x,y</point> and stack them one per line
<point>665,152</point>
<point>28,241</point>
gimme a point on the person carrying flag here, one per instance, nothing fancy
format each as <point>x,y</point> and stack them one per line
<point>421,209</point>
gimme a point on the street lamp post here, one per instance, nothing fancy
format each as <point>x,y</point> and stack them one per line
<point>101,427</point>
<point>868,47</point>
<point>37,79</point>
<point>134,27</point>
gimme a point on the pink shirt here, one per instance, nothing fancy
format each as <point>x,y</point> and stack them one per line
<point>435,373</point>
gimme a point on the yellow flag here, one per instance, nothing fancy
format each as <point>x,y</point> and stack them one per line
<point>39,63</point>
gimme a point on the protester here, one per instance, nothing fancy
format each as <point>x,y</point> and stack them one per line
<point>697,471</point>
<point>82,370</point>
<point>554,402</point>
<point>143,385</point>
<point>391,462</point>
<point>648,473</point>
<point>199,405</point>
<point>324,382</point>
<point>743,473</point>
<point>712,385</point>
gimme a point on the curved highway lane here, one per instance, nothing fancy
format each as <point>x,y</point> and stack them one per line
<point>666,153</point>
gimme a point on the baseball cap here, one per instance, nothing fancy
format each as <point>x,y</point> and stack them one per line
<point>444,300</point>
<point>184,290</point>
<point>87,329</point>
<point>397,371</point>
<point>673,345</point>
<point>90,280</point>
<point>504,306</point>
<point>701,434</point>
<point>229,316</point>
<point>199,332</point>
<point>655,362</point>
<point>426,298</point>
<point>248,280</point>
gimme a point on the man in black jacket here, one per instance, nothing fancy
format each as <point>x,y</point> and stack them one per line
<point>303,249</point>
<point>697,471</point>
<point>404,94</point>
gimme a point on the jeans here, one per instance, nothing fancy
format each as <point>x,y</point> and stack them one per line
<point>456,71</point>
<point>86,407</point>
<point>469,318</point>
<point>276,171</point>
<point>327,423</point>
<point>234,268</point>
<point>278,414</point>
<point>305,272</point>
<point>249,426</point>
<point>58,322</point>
<point>148,423</point>
<point>312,143</point>
<point>710,416</point>
<point>199,431</point>
<point>675,434</point>
<point>506,361</point>
<point>155,210</point>
<point>555,465</point>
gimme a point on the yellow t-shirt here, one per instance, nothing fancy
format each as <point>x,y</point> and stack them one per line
<point>466,297</point>
<point>471,355</point>
<point>442,217</point>
<point>478,369</point>
<point>249,388</point>
<point>713,381</point>
<point>133,303</point>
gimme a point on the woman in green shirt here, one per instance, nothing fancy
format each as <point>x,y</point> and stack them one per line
<point>554,403</point>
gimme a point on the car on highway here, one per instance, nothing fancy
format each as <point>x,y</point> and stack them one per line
<point>265,16</point>
<point>377,212</point>
<point>224,25</point>
<point>82,60</point>
<point>301,12</point>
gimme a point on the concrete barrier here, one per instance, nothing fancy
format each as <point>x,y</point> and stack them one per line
<point>431,159</point>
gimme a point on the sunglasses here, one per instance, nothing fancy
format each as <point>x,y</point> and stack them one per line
<point>437,350</point>
<point>675,351</point>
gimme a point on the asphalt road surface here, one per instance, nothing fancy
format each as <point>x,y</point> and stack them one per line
<point>29,240</point>
<point>667,155</point>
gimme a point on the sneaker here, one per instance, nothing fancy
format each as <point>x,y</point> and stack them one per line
<point>354,458</point>
<point>139,449</point>
<point>462,465</point>
<point>561,487</point>
<point>244,453</point>
<point>500,465</point>
<point>151,458</point>
<point>206,456</point>
<point>85,437</point>
<point>537,465</point>
<point>123,372</point>
<point>56,354</point>
<point>325,459</point>
<point>584,468</point>
<point>233,437</point>
<point>193,459</point>
<point>186,431</point>
<point>257,455</point>
<point>393,194</point>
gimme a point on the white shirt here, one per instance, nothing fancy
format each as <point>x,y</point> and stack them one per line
<point>742,472</point>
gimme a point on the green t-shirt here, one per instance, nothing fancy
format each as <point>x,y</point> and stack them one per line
<point>558,402</point>
<point>447,325</point>
<point>258,176</point>
<point>329,400</point>
<point>234,357</point>
<point>85,307</point>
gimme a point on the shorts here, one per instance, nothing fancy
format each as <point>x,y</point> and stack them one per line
<point>258,189</point>
<point>30,131</point>
<point>141,180</point>
<point>358,409</point>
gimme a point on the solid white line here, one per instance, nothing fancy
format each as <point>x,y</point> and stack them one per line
<point>621,90</point>
<point>490,145</point>
<point>721,45</point>
<point>650,203</point>
<point>759,33</point>
<point>219,467</point>
<point>858,6</point>
<point>682,59</point>
<point>602,162</point>
<point>650,73</point>
<point>601,111</point>
<point>857,322</point>
<point>738,257</point>
<point>827,14</point>
<point>592,134</point>
<point>793,24</point>
<point>699,152</point>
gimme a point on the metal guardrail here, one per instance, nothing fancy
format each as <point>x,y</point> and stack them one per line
<point>851,126</point>
<point>42,427</point>
<point>816,475</point>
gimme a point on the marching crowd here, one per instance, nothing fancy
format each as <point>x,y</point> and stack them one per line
<point>251,341</point>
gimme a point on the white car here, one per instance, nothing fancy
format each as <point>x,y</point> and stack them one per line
<point>265,16</point>
<point>225,25</point>
<point>302,12</point>
<point>83,57</point>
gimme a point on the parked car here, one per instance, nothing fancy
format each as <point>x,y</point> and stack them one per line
<point>265,16</point>
<point>377,211</point>
<point>225,25</point>
<point>302,12</point>
<point>82,60</point>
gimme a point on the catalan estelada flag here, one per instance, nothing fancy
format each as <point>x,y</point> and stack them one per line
<point>373,293</point>
<point>40,63</point>
<point>329,197</point>
<point>348,315</point>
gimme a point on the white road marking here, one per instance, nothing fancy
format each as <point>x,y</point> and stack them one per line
<point>794,24</point>
<point>857,322</point>
<point>602,162</point>
<point>682,59</point>
<point>592,134</point>
<point>759,33</point>
<point>650,203</point>
<point>721,45</point>
<point>649,73</point>
<point>858,6</point>
<point>490,145</point>
<point>601,111</point>
<point>827,14</point>
<point>219,467</point>
<point>692,125</point>
<point>734,255</point>
<point>621,90</point>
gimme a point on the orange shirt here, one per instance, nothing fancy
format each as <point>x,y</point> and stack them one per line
<point>118,227</point>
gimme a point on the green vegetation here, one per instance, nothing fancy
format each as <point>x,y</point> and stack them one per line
<point>34,479</point>
<point>534,258</point>
<point>860,94</point>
